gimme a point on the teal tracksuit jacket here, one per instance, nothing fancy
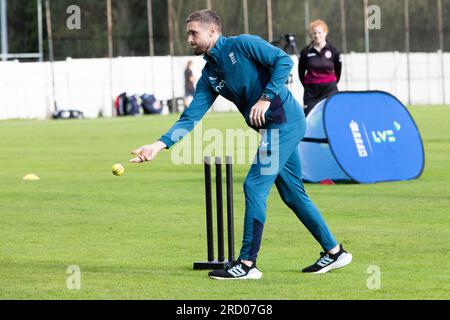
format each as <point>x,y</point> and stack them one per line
<point>242,69</point>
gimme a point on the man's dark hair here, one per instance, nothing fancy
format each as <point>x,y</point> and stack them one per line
<point>205,16</point>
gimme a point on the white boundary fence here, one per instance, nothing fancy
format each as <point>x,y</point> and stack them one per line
<point>85,84</point>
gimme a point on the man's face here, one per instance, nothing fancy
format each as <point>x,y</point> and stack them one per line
<point>199,36</point>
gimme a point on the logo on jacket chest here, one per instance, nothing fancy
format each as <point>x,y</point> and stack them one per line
<point>232,58</point>
<point>217,85</point>
<point>220,86</point>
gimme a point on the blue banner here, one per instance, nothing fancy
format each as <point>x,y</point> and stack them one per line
<point>373,137</point>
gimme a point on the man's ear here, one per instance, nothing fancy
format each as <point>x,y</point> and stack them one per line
<point>212,30</point>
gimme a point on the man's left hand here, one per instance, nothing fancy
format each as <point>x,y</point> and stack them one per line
<point>257,113</point>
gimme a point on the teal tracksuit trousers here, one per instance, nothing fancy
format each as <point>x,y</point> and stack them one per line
<point>278,161</point>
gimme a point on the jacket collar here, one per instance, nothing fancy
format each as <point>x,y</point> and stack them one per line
<point>327,47</point>
<point>213,55</point>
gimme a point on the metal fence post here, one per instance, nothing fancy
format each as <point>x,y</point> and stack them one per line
<point>344,38</point>
<point>269,21</point>
<point>407,49</point>
<point>367,41</point>
<point>441,47</point>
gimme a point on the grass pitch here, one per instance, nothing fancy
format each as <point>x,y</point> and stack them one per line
<point>136,236</point>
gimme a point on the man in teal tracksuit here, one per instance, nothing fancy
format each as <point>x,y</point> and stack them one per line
<point>252,74</point>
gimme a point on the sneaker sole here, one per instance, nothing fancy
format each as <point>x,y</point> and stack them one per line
<point>340,263</point>
<point>255,275</point>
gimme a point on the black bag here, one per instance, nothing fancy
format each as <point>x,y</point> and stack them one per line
<point>150,105</point>
<point>121,104</point>
<point>133,107</point>
<point>127,105</point>
<point>68,114</point>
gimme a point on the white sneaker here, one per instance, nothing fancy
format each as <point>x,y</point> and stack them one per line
<point>329,262</point>
<point>237,270</point>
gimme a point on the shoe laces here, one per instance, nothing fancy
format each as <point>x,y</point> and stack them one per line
<point>235,267</point>
<point>235,264</point>
<point>323,255</point>
<point>239,263</point>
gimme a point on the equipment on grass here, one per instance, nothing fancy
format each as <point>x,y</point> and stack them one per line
<point>118,169</point>
<point>220,263</point>
<point>150,105</point>
<point>134,105</point>
<point>68,114</point>
<point>30,176</point>
<point>361,136</point>
<point>121,104</point>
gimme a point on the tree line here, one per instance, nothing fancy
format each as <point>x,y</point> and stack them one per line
<point>131,34</point>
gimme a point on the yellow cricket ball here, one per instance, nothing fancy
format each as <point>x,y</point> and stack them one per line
<point>118,169</point>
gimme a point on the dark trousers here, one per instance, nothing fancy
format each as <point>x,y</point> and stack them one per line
<point>314,93</point>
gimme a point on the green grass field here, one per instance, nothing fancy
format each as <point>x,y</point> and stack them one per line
<point>136,236</point>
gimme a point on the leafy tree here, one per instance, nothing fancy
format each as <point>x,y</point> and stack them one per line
<point>130,28</point>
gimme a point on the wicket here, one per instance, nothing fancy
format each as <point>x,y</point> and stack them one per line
<point>220,263</point>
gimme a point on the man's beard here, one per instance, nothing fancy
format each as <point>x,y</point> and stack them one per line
<point>200,49</point>
<point>198,52</point>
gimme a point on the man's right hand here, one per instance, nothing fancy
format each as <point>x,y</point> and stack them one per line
<point>147,152</point>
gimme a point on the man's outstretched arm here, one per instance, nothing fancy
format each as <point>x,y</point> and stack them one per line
<point>203,99</point>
